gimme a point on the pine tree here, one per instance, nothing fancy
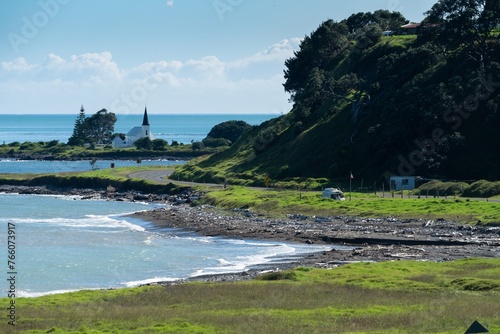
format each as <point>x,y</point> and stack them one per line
<point>79,136</point>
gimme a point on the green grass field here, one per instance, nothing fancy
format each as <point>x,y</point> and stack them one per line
<point>390,297</point>
<point>387,297</point>
<point>274,202</point>
<point>280,202</point>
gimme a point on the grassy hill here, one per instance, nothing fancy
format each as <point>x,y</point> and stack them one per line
<point>377,106</point>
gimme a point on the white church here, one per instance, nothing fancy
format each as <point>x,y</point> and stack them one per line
<point>134,134</point>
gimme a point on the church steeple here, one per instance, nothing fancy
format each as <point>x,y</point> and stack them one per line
<point>145,120</point>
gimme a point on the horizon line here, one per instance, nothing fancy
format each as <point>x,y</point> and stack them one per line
<point>141,113</point>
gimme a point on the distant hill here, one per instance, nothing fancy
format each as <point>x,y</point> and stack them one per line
<point>423,104</point>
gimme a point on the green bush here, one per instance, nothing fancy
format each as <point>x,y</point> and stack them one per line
<point>216,142</point>
<point>197,145</point>
<point>160,144</point>
<point>483,188</point>
<point>476,284</point>
<point>52,143</point>
<point>144,144</point>
<point>436,187</point>
<point>27,146</point>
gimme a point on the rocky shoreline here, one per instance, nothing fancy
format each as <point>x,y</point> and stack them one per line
<point>380,239</point>
<point>370,239</point>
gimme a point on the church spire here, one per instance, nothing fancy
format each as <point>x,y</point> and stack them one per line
<point>145,120</point>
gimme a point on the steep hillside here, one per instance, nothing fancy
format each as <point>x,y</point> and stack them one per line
<point>423,104</point>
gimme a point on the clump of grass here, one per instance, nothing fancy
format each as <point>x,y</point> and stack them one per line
<point>475,284</point>
<point>279,276</point>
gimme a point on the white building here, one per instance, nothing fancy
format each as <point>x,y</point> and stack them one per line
<point>402,182</point>
<point>135,133</point>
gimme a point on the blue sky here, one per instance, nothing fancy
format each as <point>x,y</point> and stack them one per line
<point>176,56</point>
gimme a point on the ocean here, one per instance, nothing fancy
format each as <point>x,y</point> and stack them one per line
<point>64,243</point>
<point>182,128</point>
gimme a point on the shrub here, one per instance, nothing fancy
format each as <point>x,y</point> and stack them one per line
<point>442,188</point>
<point>27,146</point>
<point>216,142</point>
<point>483,188</point>
<point>264,139</point>
<point>159,144</point>
<point>52,143</point>
<point>144,144</point>
<point>197,145</point>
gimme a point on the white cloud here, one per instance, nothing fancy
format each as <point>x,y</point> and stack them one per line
<point>18,65</point>
<point>276,52</point>
<point>170,3</point>
<point>250,84</point>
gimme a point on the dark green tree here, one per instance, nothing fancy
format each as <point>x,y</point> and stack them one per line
<point>97,129</point>
<point>79,135</point>
<point>197,145</point>
<point>466,23</point>
<point>100,127</point>
<point>159,144</point>
<point>319,50</point>
<point>144,144</point>
<point>230,130</point>
<point>387,20</point>
<point>384,19</point>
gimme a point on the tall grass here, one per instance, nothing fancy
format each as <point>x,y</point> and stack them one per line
<point>393,297</point>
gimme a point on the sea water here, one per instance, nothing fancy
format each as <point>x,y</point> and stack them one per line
<point>64,243</point>
<point>181,128</point>
<point>36,128</point>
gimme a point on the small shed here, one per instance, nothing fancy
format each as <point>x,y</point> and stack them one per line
<point>333,193</point>
<point>402,182</point>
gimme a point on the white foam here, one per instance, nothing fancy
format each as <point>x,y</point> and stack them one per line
<point>149,281</point>
<point>224,262</point>
<point>240,263</point>
<point>148,240</point>
<point>206,240</point>
<point>252,243</point>
<point>27,294</point>
<point>94,221</point>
